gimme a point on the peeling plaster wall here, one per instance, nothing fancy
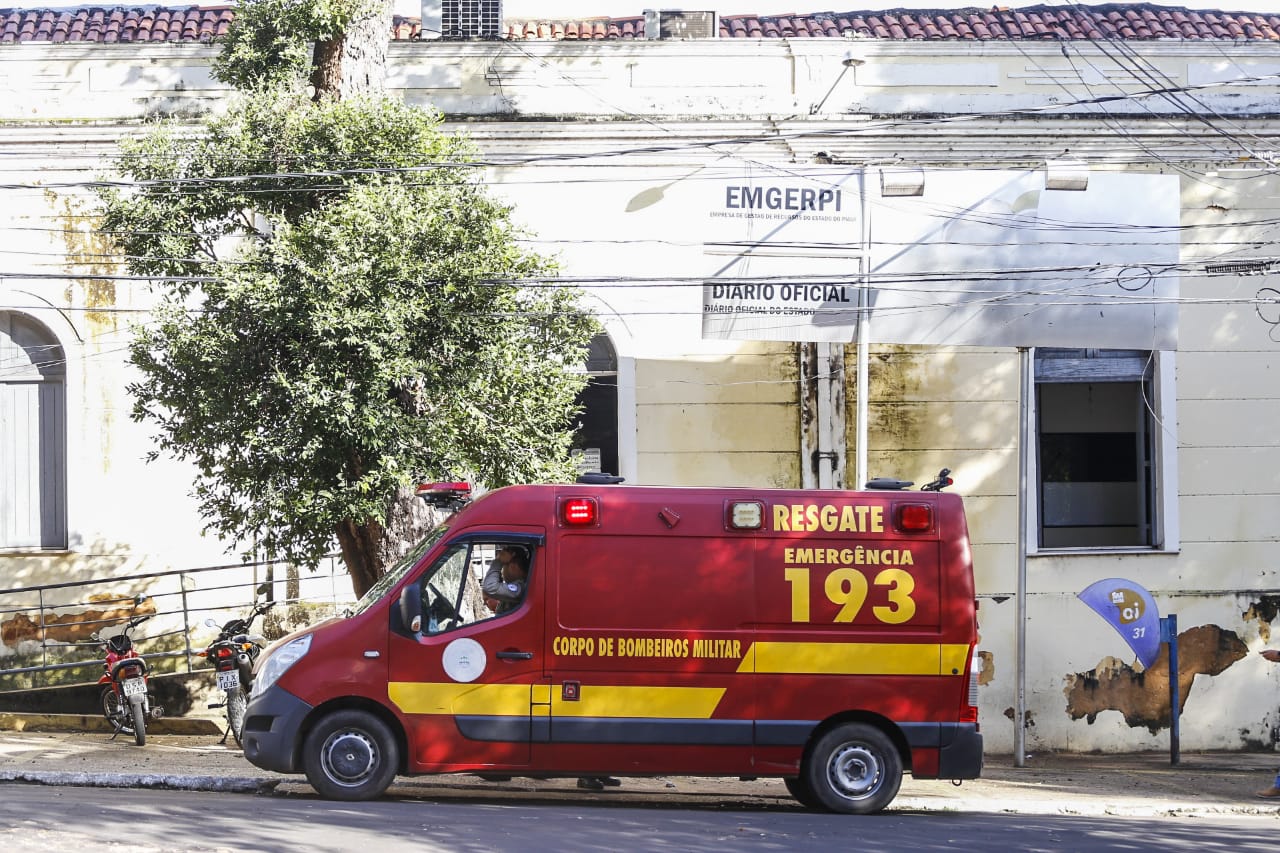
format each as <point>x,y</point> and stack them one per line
<point>1229,693</point>
<point>1142,696</point>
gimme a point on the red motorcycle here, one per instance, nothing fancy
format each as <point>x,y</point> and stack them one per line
<point>126,699</point>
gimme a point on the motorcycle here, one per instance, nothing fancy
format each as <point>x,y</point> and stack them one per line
<point>126,694</point>
<point>233,654</point>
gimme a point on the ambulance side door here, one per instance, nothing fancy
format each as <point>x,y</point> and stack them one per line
<point>647,639</point>
<point>463,679</point>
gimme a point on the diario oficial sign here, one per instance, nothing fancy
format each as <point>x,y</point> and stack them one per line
<point>782,254</point>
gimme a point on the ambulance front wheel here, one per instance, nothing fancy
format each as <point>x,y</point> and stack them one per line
<point>799,789</point>
<point>350,755</point>
<point>854,769</point>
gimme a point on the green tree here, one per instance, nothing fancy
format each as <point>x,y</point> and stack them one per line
<point>344,311</point>
<point>269,42</point>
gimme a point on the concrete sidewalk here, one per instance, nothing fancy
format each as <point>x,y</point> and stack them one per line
<point>186,754</point>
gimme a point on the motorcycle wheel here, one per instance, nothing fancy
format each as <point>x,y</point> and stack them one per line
<point>139,725</point>
<point>237,704</point>
<point>115,714</point>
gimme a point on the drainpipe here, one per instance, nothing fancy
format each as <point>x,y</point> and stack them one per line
<point>810,444</point>
<point>1020,629</point>
<point>823,448</point>
<point>861,476</point>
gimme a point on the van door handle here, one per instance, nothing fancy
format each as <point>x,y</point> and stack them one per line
<point>515,655</point>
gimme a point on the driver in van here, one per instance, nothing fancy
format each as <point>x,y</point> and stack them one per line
<point>504,583</point>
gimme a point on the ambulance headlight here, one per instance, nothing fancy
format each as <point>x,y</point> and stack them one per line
<point>277,662</point>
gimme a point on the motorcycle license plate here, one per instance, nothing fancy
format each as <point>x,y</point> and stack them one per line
<point>135,687</point>
<point>228,680</point>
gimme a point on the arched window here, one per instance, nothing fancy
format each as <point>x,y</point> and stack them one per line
<point>33,442</point>
<point>596,436</point>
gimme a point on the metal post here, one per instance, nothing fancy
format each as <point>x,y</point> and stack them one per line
<point>186,618</point>
<point>863,346</point>
<point>1020,629</point>
<point>824,460</point>
<point>44,636</point>
<point>1169,633</point>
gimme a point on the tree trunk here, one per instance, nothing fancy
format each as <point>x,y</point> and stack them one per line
<point>369,548</point>
<point>360,546</point>
<point>354,61</point>
<point>292,583</point>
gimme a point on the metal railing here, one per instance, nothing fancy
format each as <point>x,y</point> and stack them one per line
<point>45,631</point>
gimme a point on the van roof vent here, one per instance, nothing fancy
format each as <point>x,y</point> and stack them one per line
<point>596,478</point>
<point>679,24</point>
<point>889,484</point>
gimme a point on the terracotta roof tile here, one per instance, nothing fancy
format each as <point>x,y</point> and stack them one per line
<point>1130,21</point>
<point>110,25</point>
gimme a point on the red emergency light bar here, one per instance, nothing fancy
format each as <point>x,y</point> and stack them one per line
<point>450,495</point>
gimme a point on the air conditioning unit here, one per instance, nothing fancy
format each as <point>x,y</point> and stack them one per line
<point>461,19</point>
<point>680,24</point>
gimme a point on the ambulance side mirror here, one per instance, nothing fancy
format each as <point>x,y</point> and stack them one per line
<point>411,607</point>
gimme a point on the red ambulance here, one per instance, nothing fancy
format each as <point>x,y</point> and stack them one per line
<point>823,637</point>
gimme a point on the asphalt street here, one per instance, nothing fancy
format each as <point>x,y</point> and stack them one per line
<point>1129,784</point>
<point>37,819</point>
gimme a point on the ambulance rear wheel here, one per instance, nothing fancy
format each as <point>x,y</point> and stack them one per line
<point>853,769</point>
<point>350,755</point>
<point>798,788</point>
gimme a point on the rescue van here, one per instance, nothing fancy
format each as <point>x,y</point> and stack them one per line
<point>821,637</point>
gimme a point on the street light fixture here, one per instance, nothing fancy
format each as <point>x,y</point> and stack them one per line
<point>901,182</point>
<point>1066,175</point>
<point>849,61</point>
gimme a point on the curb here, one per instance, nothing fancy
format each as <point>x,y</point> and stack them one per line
<point>138,780</point>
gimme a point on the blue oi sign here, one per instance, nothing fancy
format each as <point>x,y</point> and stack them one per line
<point>1129,609</point>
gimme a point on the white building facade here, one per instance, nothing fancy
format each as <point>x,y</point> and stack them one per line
<point>1116,200</point>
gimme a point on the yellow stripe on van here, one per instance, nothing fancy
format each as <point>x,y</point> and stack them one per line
<point>856,658</point>
<point>506,700</point>
<point>685,703</point>
<point>424,697</point>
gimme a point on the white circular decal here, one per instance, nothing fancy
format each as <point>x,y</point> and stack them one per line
<point>464,660</point>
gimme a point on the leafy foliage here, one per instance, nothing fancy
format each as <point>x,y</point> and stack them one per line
<point>268,42</point>
<point>345,311</point>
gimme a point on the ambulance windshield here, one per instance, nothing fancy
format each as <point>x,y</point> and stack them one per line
<point>396,572</point>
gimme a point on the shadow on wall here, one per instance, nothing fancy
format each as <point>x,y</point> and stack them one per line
<point>178,694</point>
<point>92,561</point>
